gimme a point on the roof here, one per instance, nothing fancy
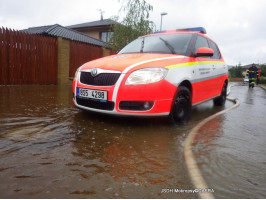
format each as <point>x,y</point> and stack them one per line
<point>57,30</point>
<point>248,66</point>
<point>105,22</point>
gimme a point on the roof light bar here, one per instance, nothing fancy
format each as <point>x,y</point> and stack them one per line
<point>159,32</point>
<point>194,29</point>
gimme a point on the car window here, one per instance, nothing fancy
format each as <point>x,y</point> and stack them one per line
<point>201,42</point>
<point>216,52</point>
<point>161,43</point>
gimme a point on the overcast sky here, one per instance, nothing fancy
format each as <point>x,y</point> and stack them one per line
<point>237,26</point>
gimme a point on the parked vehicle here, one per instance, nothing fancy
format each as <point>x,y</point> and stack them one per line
<point>162,74</point>
<point>246,80</point>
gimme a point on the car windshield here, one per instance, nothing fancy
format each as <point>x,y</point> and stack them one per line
<point>161,43</point>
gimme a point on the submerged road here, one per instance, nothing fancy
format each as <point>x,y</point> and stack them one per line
<point>231,149</point>
<point>50,149</point>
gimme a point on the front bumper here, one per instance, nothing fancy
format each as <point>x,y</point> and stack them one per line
<point>122,113</point>
<point>137,100</point>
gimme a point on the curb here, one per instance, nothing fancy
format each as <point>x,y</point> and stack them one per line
<point>193,169</point>
<point>262,87</point>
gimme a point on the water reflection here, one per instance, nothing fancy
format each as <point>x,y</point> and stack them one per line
<point>139,160</point>
<point>205,142</point>
<point>230,149</point>
<point>249,96</point>
<point>50,149</point>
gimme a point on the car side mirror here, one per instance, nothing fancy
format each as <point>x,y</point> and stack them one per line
<point>204,51</point>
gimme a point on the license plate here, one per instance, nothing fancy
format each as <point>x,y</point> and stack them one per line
<point>92,94</point>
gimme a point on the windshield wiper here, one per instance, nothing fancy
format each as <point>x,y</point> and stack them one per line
<point>168,46</point>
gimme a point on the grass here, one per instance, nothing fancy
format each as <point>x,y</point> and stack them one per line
<point>263,85</point>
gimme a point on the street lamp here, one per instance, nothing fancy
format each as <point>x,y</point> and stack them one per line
<point>162,14</point>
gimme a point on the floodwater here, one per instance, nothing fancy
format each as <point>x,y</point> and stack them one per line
<point>50,149</point>
<point>231,149</point>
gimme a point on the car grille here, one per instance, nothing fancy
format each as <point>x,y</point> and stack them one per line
<point>108,105</point>
<point>103,79</point>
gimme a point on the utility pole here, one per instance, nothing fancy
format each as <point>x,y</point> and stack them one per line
<point>162,14</point>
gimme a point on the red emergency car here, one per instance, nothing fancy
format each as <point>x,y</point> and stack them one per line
<point>162,74</point>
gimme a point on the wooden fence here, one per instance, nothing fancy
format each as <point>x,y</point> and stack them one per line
<point>27,59</point>
<point>81,53</point>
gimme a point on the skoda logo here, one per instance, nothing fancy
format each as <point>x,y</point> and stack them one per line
<point>94,72</point>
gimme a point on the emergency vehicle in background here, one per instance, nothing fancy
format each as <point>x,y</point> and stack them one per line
<point>161,74</point>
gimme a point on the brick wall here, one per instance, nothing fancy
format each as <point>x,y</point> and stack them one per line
<point>71,57</point>
<point>63,61</point>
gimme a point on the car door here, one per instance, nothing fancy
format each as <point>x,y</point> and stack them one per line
<point>218,66</point>
<point>204,87</point>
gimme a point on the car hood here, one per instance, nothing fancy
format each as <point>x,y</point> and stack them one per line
<point>121,62</point>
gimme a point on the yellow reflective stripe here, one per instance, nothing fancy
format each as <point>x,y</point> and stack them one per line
<point>193,63</point>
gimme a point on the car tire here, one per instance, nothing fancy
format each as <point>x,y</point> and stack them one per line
<point>181,107</point>
<point>220,101</point>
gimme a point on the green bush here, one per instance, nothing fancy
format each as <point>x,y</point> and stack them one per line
<point>262,80</point>
<point>236,72</point>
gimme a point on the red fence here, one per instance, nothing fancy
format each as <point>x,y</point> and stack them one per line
<point>81,53</point>
<point>27,59</point>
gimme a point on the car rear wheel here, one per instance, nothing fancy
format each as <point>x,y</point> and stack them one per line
<point>220,101</point>
<point>181,107</point>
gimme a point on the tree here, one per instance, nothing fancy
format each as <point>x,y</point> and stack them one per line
<point>236,72</point>
<point>263,70</point>
<point>135,23</point>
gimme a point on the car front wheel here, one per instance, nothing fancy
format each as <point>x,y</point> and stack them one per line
<point>181,107</point>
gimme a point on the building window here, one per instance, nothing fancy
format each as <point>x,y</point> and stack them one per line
<point>105,36</point>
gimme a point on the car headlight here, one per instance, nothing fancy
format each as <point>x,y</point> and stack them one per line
<point>146,76</point>
<point>76,74</point>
